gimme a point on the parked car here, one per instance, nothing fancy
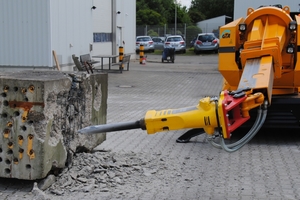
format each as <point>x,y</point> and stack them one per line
<point>177,42</point>
<point>206,42</point>
<point>192,42</point>
<point>159,43</point>
<point>146,41</point>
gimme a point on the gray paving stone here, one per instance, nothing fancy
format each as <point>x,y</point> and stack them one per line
<point>265,169</point>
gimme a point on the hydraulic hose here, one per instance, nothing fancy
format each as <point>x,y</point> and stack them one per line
<point>260,119</point>
<point>248,136</point>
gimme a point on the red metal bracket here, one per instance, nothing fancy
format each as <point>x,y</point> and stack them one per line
<point>232,113</point>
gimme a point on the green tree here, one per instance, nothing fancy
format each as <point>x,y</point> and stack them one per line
<point>149,17</point>
<point>163,12</point>
<point>206,9</point>
<point>182,15</point>
<point>193,32</point>
<point>152,33</point>
<point>196,15</point>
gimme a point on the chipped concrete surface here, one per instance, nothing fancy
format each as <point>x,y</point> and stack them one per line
<point>40,114</point>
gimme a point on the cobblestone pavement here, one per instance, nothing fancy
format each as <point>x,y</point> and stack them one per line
<point>266,168</point>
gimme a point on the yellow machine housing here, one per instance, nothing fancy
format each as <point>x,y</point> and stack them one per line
<point>267,34</point>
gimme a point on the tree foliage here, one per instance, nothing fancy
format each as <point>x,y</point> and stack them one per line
<point>150,17</point>
<point>160,12</point>
<point>152,33</point>
<point>193,32</point>
<point>206,9</point>
<point>196,15</point>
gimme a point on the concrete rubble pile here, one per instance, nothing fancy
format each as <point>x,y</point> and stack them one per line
<point>103,172</point>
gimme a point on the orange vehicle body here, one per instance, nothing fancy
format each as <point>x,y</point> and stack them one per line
<point>267,34</point>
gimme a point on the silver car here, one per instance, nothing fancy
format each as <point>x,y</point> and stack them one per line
<point>146,41</point>
<point>159,43</point>
<point>206,42</point>
<point>177,42</point>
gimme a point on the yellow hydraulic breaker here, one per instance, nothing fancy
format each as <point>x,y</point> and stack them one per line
<point>228,113</point>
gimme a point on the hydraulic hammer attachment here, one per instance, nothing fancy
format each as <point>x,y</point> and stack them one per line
<point>200,116</point>
<point>226,113</point>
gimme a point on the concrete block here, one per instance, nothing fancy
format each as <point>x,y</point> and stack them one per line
<point>40,113</point>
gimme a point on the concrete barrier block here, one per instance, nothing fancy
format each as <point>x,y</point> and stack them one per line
<point>40,114</point>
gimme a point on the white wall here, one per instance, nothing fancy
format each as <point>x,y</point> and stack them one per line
<point>25,33</point>
<point>123,28</point>
<point>71,29</point>
<point>241,6</point>
<point>31,29</point>
<point>127,20</point>
<point>207,26</point>
<point>102,22</point>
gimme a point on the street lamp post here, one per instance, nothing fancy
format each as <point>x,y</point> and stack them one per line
<point>175,17</point>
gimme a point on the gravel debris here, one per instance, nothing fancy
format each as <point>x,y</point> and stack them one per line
<point>104,171</point>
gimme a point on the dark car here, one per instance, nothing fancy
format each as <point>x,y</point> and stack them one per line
<point>192,42</point>
<point>158,43</point>
<point>206,42</point>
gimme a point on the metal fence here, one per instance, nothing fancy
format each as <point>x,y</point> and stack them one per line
<point>187,31</point>
<point>158,30</point>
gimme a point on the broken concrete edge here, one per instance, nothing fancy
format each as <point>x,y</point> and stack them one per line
<point>61,103</point>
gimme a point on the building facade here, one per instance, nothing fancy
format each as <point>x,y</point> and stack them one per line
<point>32,29</point>
<point>212,25</point>
<point>241,6</point>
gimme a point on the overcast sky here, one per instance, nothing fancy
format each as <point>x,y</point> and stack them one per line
<point>186,3</point>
